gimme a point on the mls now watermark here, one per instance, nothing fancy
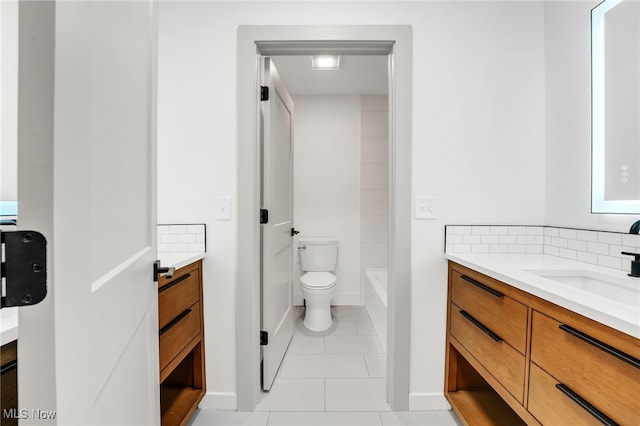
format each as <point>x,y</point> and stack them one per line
<point>24,414</point>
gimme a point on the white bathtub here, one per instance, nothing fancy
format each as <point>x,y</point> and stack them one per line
<point>376,301</point>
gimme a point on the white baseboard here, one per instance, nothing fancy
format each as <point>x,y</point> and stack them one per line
<point>428,402</point>
<point>219,401</point>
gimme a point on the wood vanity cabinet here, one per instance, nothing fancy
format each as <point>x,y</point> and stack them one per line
<point>180,322</point>
<point>9,384</point>
<point>513,358</point>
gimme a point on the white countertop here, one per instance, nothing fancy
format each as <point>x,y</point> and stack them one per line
<point>8,325</point>
<point>180,259</point>
<point>512,269</point>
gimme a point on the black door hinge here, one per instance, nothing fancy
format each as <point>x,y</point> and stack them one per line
<point>264,338</point>
<point>24,268</point>
<point>264,93</point>
<point>294,231</point>
<point>264,216</point>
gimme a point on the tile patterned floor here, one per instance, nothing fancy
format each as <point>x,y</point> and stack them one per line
<point>333,378</point>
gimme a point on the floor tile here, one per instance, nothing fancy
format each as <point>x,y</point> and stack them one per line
<point>228,418</point>
<point>294,395</point>
<point>365,328</point>
<point>352,344</point>
<point>325,419</point>
<point>323,365</point>
<point>376,364</point>
<point>356,395</point>
<point>419,418</point>
<point>306,345</point>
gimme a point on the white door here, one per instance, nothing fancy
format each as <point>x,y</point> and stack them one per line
<point>101,204</point>
<point>277,242</point>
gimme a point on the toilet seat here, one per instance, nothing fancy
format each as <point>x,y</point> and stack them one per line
<point>318,280</point>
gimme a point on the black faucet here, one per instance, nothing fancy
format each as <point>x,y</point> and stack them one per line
<point>635,228</point>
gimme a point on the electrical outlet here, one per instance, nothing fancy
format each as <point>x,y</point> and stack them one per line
<point>425,207</point>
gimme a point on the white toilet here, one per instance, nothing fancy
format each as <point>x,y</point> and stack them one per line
<point>318,258</point>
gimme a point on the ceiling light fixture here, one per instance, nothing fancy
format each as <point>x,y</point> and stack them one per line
<point>325,62</point>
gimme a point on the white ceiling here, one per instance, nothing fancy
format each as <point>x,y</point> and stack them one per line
<point>358,75</point>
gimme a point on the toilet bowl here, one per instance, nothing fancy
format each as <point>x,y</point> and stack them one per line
<point>318,258</point>
<point>318,289</point>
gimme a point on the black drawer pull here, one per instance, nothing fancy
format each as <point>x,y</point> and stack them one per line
<point>481,326</point>
<point>174,321</point>
<point>8,367</point>
<point>482,286</point>
<point>174,282</point>
<point>601,345</point>
<point>599,415</point>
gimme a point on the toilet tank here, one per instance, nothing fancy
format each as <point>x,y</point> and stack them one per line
<point>319,254</point>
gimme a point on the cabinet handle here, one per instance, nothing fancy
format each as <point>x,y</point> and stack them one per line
<point>174,321</point>
<point>601,345</point>
<point>481,326</point>
<point>8,367</point>
<point>584,404</point>
<point>482,286</point>
<point>174,282</point>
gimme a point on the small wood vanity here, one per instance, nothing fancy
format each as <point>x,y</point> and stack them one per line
<point>9,384</point>
<point>514,358</point>
<point>182,372</point>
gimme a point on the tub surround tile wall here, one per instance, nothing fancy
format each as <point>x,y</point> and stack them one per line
<point>593,247</point>
<point>374,187</point>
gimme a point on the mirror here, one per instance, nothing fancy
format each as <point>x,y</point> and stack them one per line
<point>615,107</point>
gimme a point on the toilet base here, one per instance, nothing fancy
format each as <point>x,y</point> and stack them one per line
<point>317,315</point>
<point>317,319</point>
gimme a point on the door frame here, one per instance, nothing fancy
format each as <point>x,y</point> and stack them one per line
<point>254,42</point>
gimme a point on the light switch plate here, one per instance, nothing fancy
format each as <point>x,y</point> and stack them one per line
<point>223,208</point>
<point>425,207</point>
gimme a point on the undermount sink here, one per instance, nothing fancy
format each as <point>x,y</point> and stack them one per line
<point>603,285</point>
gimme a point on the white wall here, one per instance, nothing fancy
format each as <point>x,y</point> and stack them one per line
<point>568,120</point>
<point>478,143</point>
<point>9,101</point>
<point>326,197</point>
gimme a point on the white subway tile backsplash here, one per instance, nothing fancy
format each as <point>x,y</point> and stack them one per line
<point>374,176</point>
<point>594,247</point>
<point>587,257</point>
<point>490,239</point>
<point>471,239</point>
<point>577,245</point>
<point>551,232</point>
<point>480,230</point>
<point>374,124</point>
<point>374,103</point>
<point>508,239</point>
<point>182,238</point>
<point>598,248</point>
<point>610,262</point>
<point>374,150</point>
<point>631,240</point>
<point>587,235</point>
<point>374,202</point>
<point>610,238</point>
<point>568,233</point>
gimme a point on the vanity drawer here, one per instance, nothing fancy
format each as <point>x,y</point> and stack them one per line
<point>551,406</point>
<point>590,368</point>
<point>178,333</point>
<point>505,363</point>
<point>177,294</point>
<point>505,316</point>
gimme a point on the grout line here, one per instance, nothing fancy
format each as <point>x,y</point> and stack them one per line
<point>324,382</point>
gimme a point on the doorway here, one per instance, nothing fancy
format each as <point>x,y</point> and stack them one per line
<point>256,41</point>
